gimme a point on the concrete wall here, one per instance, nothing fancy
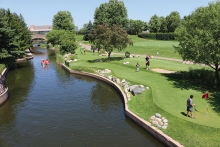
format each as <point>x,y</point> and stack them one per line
<point>157,133</point>
<point>4,95</point>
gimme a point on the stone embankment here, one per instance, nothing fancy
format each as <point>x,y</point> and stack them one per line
<point>153,130</point>
<point>3,88</point>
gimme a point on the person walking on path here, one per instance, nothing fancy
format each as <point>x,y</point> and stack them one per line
<point>147,62</point>
<point>189,105</point>
<point>84,51</point>
<point>137,67</point>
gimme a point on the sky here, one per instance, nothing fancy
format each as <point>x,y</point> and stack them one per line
<point>41,12</point>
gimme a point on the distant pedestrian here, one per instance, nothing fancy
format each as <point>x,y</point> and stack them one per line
<point>147,62</point>
<point>84,51</point>
<point>137,67</point>
<point>81,50</point>
<point>189,106</point>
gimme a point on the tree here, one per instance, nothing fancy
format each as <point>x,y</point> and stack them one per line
<point>154,24</point>
<point>54,37</point>
<point>136,26</point>
<point>63,20</point>
<point>109,37</point>
<point>163,25</point>
<point>83,29</point>
<point>15,36</point>
<point>66,40</point>
<point>68,43</point>
<point>198,37</point>
<point>88,28</point>
<point>113,12</point>
<point>173,21</point>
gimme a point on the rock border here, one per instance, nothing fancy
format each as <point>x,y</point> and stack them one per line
<point>157,133</point>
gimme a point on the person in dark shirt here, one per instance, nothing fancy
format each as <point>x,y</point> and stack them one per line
<point>189,105</point>
<point>147,62</point>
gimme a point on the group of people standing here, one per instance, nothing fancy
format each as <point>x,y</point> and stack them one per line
<point>147,59</point>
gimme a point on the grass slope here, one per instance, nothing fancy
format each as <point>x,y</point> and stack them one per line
<point>167,95</point>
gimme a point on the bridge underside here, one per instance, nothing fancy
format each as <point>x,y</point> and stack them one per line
<point>39,37</point>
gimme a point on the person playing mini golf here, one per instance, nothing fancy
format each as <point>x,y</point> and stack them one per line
<point>189,105</point>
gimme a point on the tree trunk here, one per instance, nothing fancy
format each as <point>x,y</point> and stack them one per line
<point>109,53</point>
<point>217,75</point>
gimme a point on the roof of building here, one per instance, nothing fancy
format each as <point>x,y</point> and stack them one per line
<point>41,28</point>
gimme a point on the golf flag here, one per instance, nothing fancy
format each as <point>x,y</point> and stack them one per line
<point>205,95</point>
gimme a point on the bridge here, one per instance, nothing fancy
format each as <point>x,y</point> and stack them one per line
<point>38,37</point>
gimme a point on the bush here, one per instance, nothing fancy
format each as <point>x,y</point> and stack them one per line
<point>127,54</point>
<point>72,57</point>
<point>60,58</point>
<point>84,69</point>
<point>157,36</point>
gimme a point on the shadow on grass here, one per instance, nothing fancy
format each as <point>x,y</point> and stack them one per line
<point>106,59</point>
<point>182,81</point>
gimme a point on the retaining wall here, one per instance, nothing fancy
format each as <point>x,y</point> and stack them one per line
<point>157,133</point>
<point>4,95</point>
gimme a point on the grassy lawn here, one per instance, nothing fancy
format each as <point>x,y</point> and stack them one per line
<point>167,95</point>
<point>145,47</point>
<point>2,67</point>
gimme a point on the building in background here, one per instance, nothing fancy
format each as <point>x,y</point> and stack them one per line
<point>40,29</point>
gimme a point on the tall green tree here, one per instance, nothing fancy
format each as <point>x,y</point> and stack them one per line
<point>173,21</point>
<point>15,36</point>
<point>54,37</point>
<point>63,20</point>
<point>199,38</point>
<point>163,25</point>
<point>88,29</point>
<point>136,26</point>
<point>109,37</point>
<point>154,24</point>
<point>113,12</point>
<point>67,42</point>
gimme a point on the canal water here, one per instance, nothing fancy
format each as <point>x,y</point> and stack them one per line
<point>48,107</point>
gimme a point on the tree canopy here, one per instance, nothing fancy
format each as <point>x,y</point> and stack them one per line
<point>109,38</point>
<point>14,36</point>
<point>63,20</point>
<point>136,26</point>
<point>113,12</point>
<point>199,38</point>
<point>66,40</point>
<point>154,24</point>
<point>173,20</point>
<point>88,28</point>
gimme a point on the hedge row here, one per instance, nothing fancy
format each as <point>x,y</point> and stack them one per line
<point>157,36</point>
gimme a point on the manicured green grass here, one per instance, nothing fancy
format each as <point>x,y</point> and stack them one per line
<point>146,46</point>
<point>167,95</point>
<point>2,67</point>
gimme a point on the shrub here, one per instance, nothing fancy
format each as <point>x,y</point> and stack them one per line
<point>127,54</point>
<point>84,69</point>
<point>157,36</point>
<point>72,57</point>
<point>60,58</point>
